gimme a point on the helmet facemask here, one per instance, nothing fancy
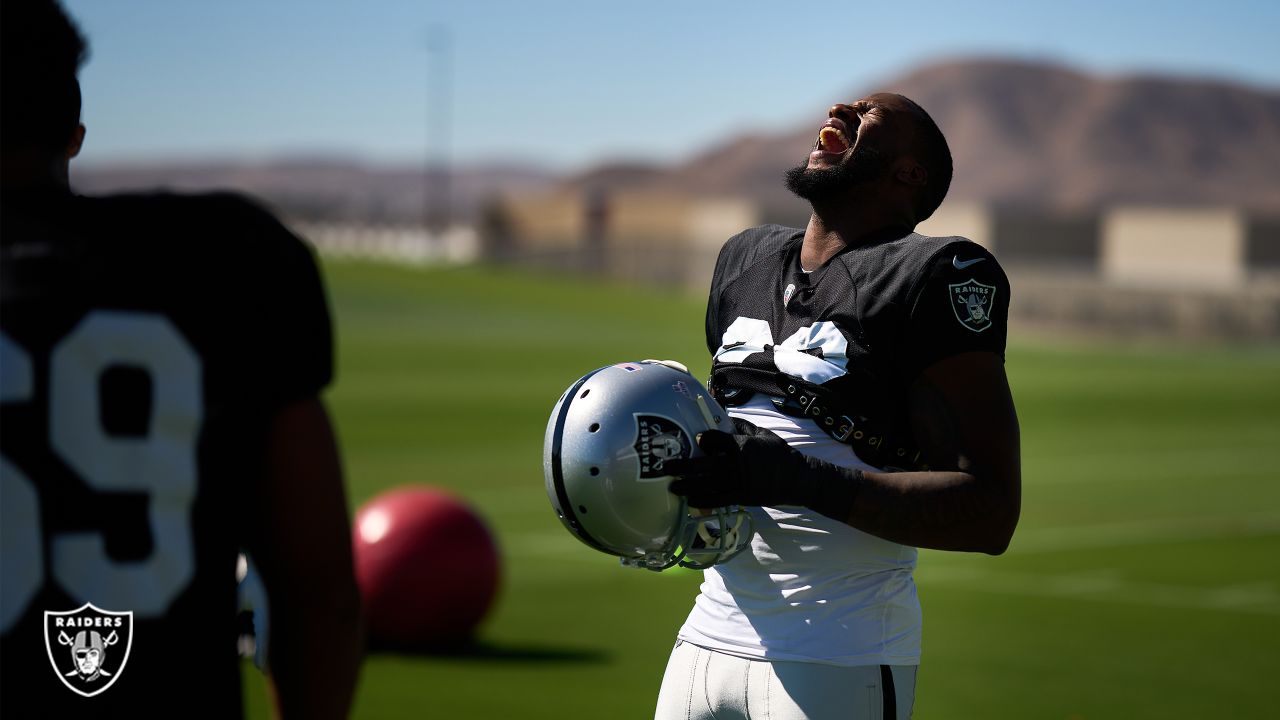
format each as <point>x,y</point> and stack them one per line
<point>705,538</point>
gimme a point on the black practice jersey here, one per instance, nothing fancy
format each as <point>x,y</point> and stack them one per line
<point>146,341</point>
<point>864,325</point>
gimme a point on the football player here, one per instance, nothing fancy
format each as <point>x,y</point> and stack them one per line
<point>863,365</point>
<point>162,360</point>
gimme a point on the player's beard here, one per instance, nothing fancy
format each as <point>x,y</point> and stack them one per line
<point>823,185</point>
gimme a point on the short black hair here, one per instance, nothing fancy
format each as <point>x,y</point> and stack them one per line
<point>935,155</point>
<point>41,50</point>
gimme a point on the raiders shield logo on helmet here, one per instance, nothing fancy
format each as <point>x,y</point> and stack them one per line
<point>88,647</point>
<point>659,439</point>
<point>972,304</point>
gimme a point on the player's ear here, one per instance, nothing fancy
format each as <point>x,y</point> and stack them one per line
<point>76,142</point>
<point>912,173</point>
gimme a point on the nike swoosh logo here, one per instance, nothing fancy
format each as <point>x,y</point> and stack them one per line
<point>962,264</point>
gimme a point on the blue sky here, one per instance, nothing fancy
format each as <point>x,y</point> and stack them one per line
<point>566,84</point>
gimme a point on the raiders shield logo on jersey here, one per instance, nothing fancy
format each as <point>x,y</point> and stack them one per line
<point>88,647</point>
<point>657,441</point>
<point>972,304</point>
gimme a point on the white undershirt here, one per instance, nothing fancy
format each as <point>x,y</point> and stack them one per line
<point>811,589</point>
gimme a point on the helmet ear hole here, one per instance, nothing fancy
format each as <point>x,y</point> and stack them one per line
<point>595,427</point>
<point>582,509</point>
<point>595,471</point>
<point>585,393</point>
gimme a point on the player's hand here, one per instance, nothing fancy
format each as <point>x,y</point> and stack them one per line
<point>737,469</point>
<point>755,467</point>
<point>673,364</point>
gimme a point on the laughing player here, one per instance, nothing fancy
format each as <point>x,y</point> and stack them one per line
<point>864,367</point>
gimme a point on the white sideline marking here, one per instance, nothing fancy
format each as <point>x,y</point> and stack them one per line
<point>1103,586</point>
<point>1026,541</point>
<point>1108,585</point>
<point>1142,532</point>
<point>558,545</point>
<point>1184,461</point>
<point>561,547</point>
<point>1100,586</point>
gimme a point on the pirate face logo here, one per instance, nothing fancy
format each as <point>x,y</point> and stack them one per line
<point>658,440</point>
<point>972,304</point>
<point>976,312</point>
<point>88,655</point>
<point>665,446</point>
<point>88,647</point>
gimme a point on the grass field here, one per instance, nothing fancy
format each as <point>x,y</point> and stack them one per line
<point>1144,581</point>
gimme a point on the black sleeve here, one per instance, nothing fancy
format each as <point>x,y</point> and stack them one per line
<point>961,304</point>
<point>727,253</point>
<point>293,342</point>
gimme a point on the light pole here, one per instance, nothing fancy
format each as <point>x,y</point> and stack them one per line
<point>439,110</point>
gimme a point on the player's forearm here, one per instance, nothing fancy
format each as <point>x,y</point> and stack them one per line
<point>316,647</point>
<point>304,552</point>
<point>966,509</point>
<point>972,509</point>
<point>938,510</point>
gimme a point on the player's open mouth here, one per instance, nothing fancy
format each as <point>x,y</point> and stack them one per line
<point>832,139</point>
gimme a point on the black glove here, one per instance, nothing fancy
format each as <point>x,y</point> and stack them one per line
<point>756,467</point>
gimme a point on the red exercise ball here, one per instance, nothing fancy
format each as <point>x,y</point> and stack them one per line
<point>427,568</point>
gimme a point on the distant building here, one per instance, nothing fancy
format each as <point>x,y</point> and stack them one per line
<point>1168,272</point>
<point>1164,272</point>
<point>1023,237</point>
<point>1202,248</point>
<point>637,236</point>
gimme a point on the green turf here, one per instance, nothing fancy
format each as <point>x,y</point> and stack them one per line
<point>1144,580</point>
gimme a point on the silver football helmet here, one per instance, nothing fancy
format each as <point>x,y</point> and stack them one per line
<point>607,440</point>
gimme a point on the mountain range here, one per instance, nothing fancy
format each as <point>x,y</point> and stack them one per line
<point>1023,134</point>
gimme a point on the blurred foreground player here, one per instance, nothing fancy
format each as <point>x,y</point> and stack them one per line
<point>863,365</point>
<point>162,359</point>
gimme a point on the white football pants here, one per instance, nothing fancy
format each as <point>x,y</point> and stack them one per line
<point>702,684</point>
